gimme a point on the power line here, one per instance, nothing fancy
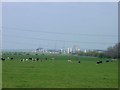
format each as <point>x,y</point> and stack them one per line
<point>61,33</point>
<point>26,44</point>
<point>23,45</point>
<point>63,41</point>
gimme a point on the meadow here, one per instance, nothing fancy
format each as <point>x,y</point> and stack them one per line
<point>58,73</point>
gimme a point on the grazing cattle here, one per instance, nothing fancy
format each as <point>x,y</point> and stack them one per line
<point>8,58</point>
<point>78,61</point>
<point>11,58</point>
<point>33,59</point>
<point>22,60</point>
<point>98,62</point>
<point>30,58</point>
<point>26,59</point>
<point>114,60</point>
<point>107,60</point>
<point>46,58</point>
<point>52,58</point>
<point>3,59</point>
<point>69,61</point>
<point>110,60</point>
<point>37,59</point>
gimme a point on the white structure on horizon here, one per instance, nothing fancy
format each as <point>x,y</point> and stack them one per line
<point>76,48</point>
<point>69,50</point>
<point>85,51</point>
<point>40,50</point>
<point>61,50</point>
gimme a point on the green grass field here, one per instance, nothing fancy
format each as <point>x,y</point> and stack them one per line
<point>59,73</point>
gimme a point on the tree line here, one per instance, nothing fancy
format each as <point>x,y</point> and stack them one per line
<point>111,52</point>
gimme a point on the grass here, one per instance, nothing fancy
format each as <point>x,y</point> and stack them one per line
<point>59,73</point>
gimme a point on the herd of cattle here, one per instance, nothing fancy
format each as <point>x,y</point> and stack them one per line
<point>38,59</point>
<point>27,59</point>
<point>98,62</point>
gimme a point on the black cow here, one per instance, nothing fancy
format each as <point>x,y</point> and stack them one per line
<point>78,61</point>
<point>37,59</point>
<point>107,61</point>
<point>100,61</point>
<point>46,58</point>
<point>22,60</point>
<point>11,58</point>
<point>30,58</point>
<point>3,59</point>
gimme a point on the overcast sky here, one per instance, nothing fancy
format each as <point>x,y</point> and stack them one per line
<point>89,25</point>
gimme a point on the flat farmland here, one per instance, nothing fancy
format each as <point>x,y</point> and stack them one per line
<point>58,72</point>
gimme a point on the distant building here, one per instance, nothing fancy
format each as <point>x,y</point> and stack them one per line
<point>75,49</point>
<point>99,51</point>
<point>40,50</point>
<point>69,50</point>
<point>85,51</point>
<point>61,50</point>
